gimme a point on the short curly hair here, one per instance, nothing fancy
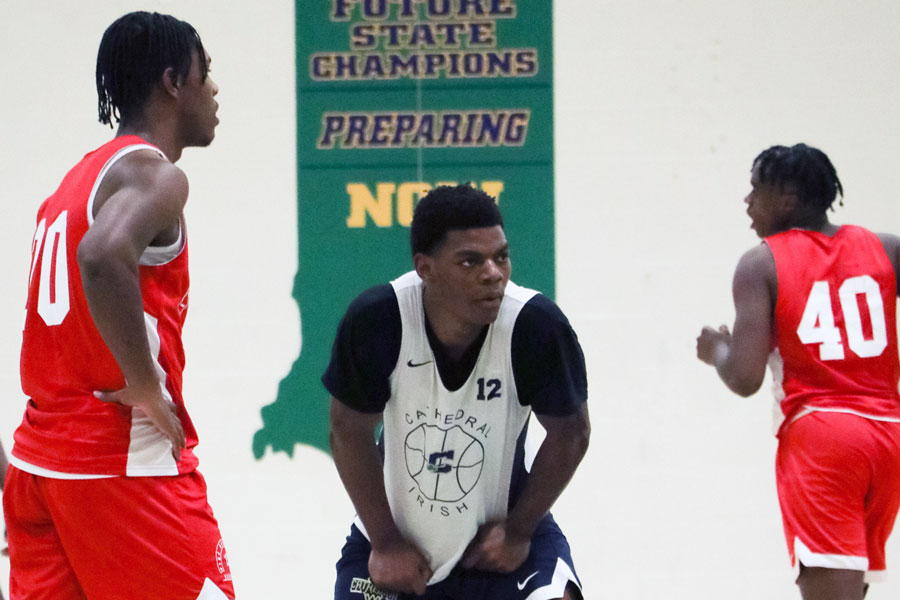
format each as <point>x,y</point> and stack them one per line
<point>446,208</point>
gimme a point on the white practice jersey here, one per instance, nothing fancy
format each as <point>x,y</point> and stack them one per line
<point>449,456</point>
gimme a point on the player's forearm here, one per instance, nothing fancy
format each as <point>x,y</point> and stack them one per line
<point>740,370</point>
<point>359,467</point>
<point>738,382</point>
<point>4,467</point>
<point>112,290</point>
<point>736,372</point>
<point>554,465</point>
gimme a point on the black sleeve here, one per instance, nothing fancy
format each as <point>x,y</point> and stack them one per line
<point>365,351</point>
<point>547,360</point>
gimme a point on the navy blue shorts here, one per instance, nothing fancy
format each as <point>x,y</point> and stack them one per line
<point>544,574</point>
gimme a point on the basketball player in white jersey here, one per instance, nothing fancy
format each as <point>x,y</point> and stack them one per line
<point>453,357</point>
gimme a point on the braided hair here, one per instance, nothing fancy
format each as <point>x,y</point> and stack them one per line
<point>134,53</point>
<point>805,170</point>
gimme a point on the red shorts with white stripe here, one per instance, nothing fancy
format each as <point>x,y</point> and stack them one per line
<point>128,538</point>
<point>838,478</point>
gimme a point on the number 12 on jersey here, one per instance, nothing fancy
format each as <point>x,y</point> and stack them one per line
<point>817,324</point>
<point>493,390</point>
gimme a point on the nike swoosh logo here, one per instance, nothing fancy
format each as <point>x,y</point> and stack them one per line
<point>521,584</point>
<point>410,363</point>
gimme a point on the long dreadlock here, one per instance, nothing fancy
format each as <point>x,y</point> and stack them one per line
<point>134,53</point>
<point>805,169</point>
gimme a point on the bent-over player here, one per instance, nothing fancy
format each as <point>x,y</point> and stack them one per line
<point>454,357</point>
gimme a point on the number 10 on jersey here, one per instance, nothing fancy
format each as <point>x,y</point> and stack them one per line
<point>817,324</point>
<point>53,287</point>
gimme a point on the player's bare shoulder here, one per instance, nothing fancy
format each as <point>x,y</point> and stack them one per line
<point>139,203</point>
<point>890,241</point>
<point>147,174</point>
<point>757,264</point>
<point>891,244</point>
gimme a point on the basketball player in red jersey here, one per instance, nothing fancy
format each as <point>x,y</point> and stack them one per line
<point>103,499</point>
<point>818,302</point>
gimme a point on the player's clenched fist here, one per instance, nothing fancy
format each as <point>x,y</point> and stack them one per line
<point>713,345</point>
<point>399,567</point>
<point>496,548</point>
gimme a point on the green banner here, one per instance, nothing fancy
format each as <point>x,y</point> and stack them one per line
<point>395,97</point>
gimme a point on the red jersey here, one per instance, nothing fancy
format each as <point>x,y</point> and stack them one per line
<point>64,359</point>
<point>835,325</point>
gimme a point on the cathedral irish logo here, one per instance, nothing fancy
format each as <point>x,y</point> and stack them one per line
<point>445,463</point>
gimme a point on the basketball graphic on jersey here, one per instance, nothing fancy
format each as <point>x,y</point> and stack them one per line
<point>445,463</point>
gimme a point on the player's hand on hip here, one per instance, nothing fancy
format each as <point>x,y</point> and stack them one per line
<point>713,345</point>
<point>496,548</point>
<point>162,413</point>
<point>399,567</point>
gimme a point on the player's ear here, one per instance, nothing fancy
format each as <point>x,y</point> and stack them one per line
<point>423,265</point>
<point>170,82</point>
<point>788,201</point>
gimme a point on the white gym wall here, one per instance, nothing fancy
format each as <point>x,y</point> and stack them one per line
<point>660,109</point>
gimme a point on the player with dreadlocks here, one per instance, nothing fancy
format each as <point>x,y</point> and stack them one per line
<point>818,302</point>
<point>103,498</point>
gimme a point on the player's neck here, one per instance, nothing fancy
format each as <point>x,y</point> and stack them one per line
<point>818,222</point>
<point>456,337</point>
<point>158,135</point>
